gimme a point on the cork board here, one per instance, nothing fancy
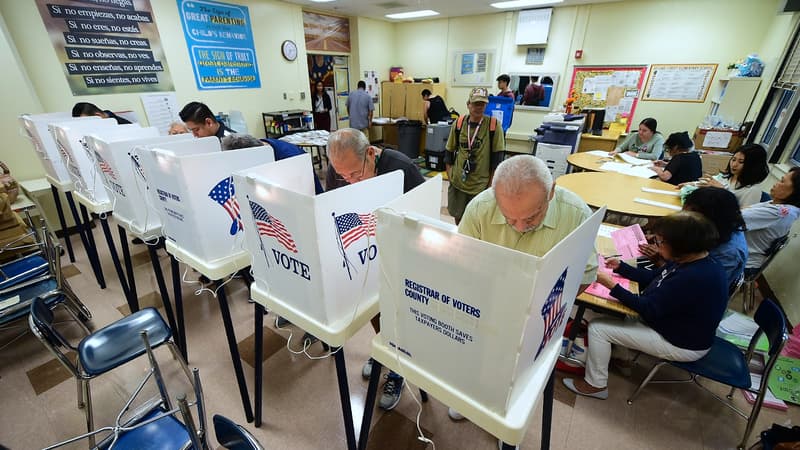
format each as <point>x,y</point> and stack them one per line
<point>615,88</point>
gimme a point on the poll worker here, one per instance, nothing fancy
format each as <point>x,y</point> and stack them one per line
<point>746,170</point>
<point>84,109</point>
<point>474,149</point>
<point>321,105</point>
<point>201,121</point>
<point>684,165</point>
<point>679,310</point>
<point>356,160</point>
<point>434,108</point>
<point>360,108</point>
<point>524,210</point>
<point>646,143</point>
<point>502,84</point>
<point>281,149</point>
<point>720,207</point>
<point>178,127</point>
<point>768,221</point>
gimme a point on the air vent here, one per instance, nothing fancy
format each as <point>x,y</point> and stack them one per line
<point>391,5</point>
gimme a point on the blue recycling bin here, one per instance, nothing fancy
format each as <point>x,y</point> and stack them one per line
<point>502,108</point>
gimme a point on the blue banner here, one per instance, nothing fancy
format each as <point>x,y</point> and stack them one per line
<point>220,42</point>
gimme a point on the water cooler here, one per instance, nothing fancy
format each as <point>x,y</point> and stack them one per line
<point>557,137</point>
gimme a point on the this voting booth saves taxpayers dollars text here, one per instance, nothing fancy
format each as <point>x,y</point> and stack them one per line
<point>197,200</point>
<point>317,254</point>
<point>124,179</point>
<point>35,127</point>
<point>473,314</point>
<point>82,171</point>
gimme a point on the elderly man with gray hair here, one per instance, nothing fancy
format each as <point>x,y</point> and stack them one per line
<point>524,210</point>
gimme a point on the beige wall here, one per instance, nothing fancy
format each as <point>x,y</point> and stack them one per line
<point>627,32</point>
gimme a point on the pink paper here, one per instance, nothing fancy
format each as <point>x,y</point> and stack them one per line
<point>598,290</point>
<point>627,241</point>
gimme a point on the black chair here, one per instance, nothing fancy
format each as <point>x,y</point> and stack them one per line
<point>103,350</point>
<point>750,277</point>
<point>233,436</point>
<point>725,363</point>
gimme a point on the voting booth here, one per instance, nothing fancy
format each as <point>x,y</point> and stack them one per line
<point>474,315</point>
<point>36,129</point>
<point>317,255</point>
<point>125,180</point>
<point>194,193</point>
<point>80,166</point>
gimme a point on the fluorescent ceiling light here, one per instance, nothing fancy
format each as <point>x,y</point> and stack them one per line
<point>413,14</point>
<point>524,3</point>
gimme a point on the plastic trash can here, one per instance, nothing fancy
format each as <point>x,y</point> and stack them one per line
<point>408,136</point>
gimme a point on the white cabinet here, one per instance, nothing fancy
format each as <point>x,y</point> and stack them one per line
<point>734,97</point>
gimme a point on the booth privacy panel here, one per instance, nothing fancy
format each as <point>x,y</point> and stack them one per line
<point>35,128</point>
<point>464,310</point>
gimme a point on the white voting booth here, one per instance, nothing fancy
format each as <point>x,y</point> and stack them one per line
<point>474,315</point>
<point>191,185</point>
<point>125,179</point>
<point>81,168</point>
<point>35,127</point>
<point>317,255</point>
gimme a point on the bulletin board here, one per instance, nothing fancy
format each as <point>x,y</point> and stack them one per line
<point>679,82</point>
<point>615,88</point>
<point>473,67</point>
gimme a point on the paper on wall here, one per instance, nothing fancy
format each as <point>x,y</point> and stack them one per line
<point>717,139</point>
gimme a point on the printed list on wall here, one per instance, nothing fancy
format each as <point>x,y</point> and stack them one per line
<point>107,46</point>
<point>220,41</point>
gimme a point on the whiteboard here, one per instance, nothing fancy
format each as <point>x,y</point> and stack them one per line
<point>679,82</point>
<point>533,26</point>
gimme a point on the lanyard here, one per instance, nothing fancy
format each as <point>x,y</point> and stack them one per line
<point>471,140</point>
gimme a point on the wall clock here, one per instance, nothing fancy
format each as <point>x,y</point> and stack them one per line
<point>289,50</point>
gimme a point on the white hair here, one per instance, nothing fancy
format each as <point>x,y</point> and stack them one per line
<point>516,175</point>
<point>347,139</point>
<point>239,140</point>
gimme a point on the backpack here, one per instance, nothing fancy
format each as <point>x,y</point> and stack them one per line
<point>492,128</point>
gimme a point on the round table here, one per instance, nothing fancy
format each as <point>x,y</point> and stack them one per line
<point>588,161</point>
<point>618,191</point>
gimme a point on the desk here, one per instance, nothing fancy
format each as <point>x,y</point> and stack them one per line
<point>618,191</point>
<point>311,142</point>
<point>333,335</point>
<point>587,161</point>
<point>607,142</point>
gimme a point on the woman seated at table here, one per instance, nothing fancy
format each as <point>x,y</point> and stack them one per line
<point>679,310</point>
<point>746,170</point>
<point>647,143</point>
<point>683,165</point>
<point>721,208</point>
<point>768,221</point>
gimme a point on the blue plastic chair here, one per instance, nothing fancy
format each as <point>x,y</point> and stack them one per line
<point>725,363</point>
<point>233,436</point>
<point>103,350</point>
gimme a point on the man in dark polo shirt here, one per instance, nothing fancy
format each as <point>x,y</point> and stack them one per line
<point>84,109</point>
<point>352,159</point>
<point>201,121</point>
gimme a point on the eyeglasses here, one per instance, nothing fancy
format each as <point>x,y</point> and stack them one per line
<point>355,175</point>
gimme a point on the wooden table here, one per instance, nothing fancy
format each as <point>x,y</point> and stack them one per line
<point>605,246</point>
<point>618,191</point>
<point>590,162</point>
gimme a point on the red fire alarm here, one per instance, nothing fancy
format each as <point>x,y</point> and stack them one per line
<point>578,54</point>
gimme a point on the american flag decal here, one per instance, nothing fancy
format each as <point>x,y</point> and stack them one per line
<point>104,166</point>
<point>269,225</point>
<point>553,312</point>
<point>224,194</point>
<point>352,227</point>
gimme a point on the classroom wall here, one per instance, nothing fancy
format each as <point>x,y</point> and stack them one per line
<point>629,32</point>
<point>273,22</point>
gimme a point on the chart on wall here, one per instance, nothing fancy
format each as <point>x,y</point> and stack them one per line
<point>220,42</point>
<point>615,88</point>
<point>473,68</point>
<point>107,46</point>
<point>679,82</point>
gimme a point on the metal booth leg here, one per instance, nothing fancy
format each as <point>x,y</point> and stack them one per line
<point>547,412</point>
<point>234,349</point>
<point>258,360</point>
<point>369,404</point>
<point>90,254</point>
<point>62,221</point>
<point>133,302</point>
<point>126,254</point>
<point>178,296</point>
<point>162,289</point>
<point>344,395</point>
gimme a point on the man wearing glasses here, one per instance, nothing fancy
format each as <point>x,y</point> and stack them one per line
<point>474,149</point>
<point>201,121</point>
<point>352,159</point>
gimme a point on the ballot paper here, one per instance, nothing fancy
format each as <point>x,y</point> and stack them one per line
<point>655,203</point>
<point>606,230</point>
<point>598,153</point>
<point>627,241</point>
<point>661,191</point>
<point>598,290</point>
<point>628,169</point>
<point>634,160</point>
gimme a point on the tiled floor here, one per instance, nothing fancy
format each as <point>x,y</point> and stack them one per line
<point>301,399</point>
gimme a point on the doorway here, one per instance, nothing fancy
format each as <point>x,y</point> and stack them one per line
<point>334,73</point>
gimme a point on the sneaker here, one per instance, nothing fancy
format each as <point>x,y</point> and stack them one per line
<point>366,371</point>
<point>280,322</point>
<point>570,384</point>
<point>392,389</point>
<point>455,415</point>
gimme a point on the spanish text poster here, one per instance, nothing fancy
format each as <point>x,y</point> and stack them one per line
<point>107,46</point>
<point>220,42</point>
